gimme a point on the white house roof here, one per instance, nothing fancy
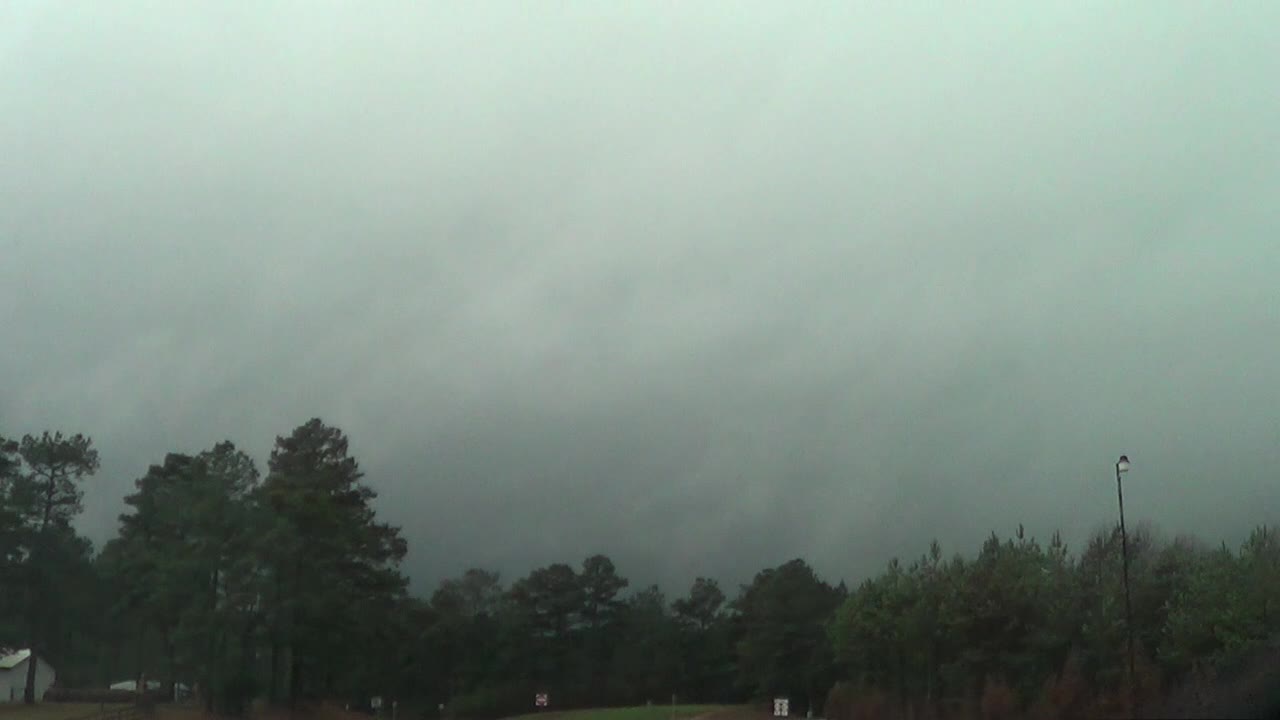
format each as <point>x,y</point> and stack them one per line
<point>133,685</point>
<point>9,659</point>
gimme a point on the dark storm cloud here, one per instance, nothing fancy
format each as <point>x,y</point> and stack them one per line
<point>702,287</point>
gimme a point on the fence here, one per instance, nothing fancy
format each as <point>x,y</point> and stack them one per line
<point>117,712</point>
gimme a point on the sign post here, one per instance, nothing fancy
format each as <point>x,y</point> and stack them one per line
<point>541,701</point>
<point>781,707</point>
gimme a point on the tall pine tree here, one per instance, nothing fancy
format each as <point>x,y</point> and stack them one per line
<point>333,568</point>
<point>44,498</point>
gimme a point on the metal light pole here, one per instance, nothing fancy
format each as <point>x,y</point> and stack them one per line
<point>1122,466</point>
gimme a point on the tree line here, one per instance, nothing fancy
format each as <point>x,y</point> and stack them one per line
<point>284,586</point>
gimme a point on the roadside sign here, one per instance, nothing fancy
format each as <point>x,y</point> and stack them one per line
<point>540,700</point>
<point>781,707</point>
<point>375,702</point>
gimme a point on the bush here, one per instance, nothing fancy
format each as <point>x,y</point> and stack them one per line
<point>1066,695</point>
<point>999,701</point>
<point>839,704</point>
<point>847,701</point>
<point>491,702</point>
<point>91,695</point>
<point>874,705</point>
<point>234,695</point>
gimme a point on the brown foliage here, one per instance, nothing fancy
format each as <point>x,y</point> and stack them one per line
<point>839,705</point>
<point>874,705</point>
<point>999,701</point>
<point>847,701</point>
<point>1148,683</point>
<point>1253,692</point>
<point>1066,695</point>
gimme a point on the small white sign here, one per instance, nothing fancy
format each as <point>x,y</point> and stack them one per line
<point>540,700</point>
<point>375,702</point>
<point>781,707</point>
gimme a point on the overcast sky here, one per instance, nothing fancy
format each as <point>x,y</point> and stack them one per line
<point>702,286</point>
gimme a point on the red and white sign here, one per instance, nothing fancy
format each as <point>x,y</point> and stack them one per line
<point>540,700</point>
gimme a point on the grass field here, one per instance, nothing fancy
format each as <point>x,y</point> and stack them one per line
<point>76,711</point>
<point>48,711</point>
<point>643,712</point>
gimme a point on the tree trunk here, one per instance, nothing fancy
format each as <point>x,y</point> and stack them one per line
<point>295,682</point>
<point>170,659</point>
<point>247,665</point>
<point>930,670</point>
<point>31,597</point>
<point>899,686</point>
<point>29,690</point>
<point>273,682</point>
<point>137,668</point>
<point>33,635</point>
<point>212,662</point>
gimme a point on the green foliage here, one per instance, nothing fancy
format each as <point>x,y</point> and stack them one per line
<point>702,608</point>
<point>646,660</point>
<point>706,642</point>
<point>333,569</point>
<point>1213,615</point>
<point>600,615</point>
<point>48,493</point>
<point>572,633</point>
<point>640,712</point>
<point>600,588</point>
<point>11,546</point>
<point>41,557</point>
<point>290,588</point>
<point>243,587</point>
<point>492,701</point>
<point>478,593</point>
<point>457,635</point>
<point>183,569</point>
<point>784,649</point>
<point>1033,623</point>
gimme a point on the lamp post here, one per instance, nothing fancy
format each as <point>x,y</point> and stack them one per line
<point>1122,466</point>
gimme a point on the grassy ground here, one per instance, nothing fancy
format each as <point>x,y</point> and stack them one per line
<point>327,713</point>
<point>76,711</point>
<point>643,712</point>
<point>48,711</point>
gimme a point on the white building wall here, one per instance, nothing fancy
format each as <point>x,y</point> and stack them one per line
<point>13,681</point>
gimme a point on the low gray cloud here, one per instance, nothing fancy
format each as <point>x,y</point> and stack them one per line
<point>704,288</point>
